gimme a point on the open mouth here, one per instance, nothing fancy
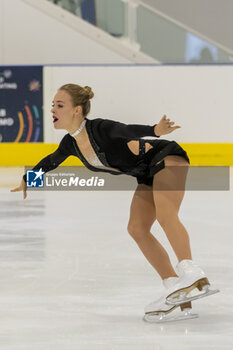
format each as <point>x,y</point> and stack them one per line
<point>55,119</point>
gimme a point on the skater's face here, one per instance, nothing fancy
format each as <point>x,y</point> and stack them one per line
<point>63,111</point>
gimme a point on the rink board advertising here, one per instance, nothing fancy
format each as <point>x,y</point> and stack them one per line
<point>21,103</point>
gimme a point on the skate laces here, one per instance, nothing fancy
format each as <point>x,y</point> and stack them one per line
<point>170,281</point>
<point>187,266</point>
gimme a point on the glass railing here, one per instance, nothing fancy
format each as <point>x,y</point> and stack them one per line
<point>171,43</point>
<point>143,29</point>
<point>108,15</point>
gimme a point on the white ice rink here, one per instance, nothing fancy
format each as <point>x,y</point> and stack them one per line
<point>73,279</point>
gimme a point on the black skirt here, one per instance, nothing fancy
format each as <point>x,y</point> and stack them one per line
<point>147,165</point>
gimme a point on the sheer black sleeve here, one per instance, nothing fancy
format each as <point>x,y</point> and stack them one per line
<point>53,160</point>
<point>118,129</point>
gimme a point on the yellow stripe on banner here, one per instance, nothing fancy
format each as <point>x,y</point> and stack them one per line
<point>206,154</point>
<point>29,154</point>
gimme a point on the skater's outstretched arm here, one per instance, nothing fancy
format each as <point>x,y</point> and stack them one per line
<point>112,129</point>
<point>50,162</point>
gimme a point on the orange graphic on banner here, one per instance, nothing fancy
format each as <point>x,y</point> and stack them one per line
<point>21,125</point>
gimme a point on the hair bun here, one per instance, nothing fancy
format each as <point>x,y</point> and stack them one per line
<point>89,92</point>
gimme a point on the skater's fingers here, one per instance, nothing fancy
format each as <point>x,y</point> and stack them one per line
<point>16,189</point>
<point>24,194</point>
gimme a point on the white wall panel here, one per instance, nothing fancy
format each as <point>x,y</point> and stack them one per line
<point>198,98</point>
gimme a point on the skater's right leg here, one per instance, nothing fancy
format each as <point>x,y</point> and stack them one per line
<point>168,192</point>
<point>142,217</point>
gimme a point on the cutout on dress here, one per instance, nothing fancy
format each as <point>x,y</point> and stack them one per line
<point>134,147</point>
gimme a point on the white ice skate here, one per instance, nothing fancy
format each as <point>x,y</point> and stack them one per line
<point>159,311</point>
<point>192,284</point>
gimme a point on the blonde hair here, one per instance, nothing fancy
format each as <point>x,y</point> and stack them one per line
<point>80,96</point>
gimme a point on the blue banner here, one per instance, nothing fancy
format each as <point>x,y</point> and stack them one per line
<point>21,104</point>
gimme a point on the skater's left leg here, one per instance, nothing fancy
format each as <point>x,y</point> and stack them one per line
<point>168,193</point>
<point>142,217</point>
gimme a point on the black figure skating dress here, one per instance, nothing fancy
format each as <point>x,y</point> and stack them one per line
<point>110,152</point>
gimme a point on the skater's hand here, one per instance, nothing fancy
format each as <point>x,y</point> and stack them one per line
<point>165,126</point>
<point>21,187</point>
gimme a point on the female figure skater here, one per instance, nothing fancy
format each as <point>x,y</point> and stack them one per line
<point>160,167</point>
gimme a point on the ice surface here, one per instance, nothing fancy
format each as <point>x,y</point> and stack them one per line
<point>73,279</point>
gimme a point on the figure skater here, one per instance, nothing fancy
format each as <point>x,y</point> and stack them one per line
<point>160,167</point>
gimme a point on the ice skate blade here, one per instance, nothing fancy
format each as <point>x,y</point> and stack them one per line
<point>180,294</point>
<point>184,299</point>
<point>164,318</point>
<point>201,284</point>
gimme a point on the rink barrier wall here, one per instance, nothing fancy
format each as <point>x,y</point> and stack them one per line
<point>29,154</point>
